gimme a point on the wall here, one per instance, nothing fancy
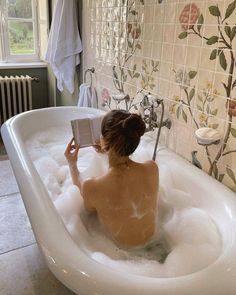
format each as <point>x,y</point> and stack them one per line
<point>184,52</point>
<point>39,90</point>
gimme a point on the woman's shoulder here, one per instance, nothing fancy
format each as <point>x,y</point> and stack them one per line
<point>89,183</point>
<point>91,190</point>
<point>151,164</point>
<point>92,185</point>
<point>151,168</point>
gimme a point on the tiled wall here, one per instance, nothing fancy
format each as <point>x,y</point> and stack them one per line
<point>184,52</point>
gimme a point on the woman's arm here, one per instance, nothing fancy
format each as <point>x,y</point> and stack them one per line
<point>86,188</point>
<point>71,154</point>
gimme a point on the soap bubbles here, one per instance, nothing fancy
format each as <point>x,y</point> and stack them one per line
<point>186,240</point>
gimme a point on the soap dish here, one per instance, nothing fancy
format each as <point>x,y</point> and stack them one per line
<point>207,136</point>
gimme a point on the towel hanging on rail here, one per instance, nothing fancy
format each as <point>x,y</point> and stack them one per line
<point>64,44</point>
<point>88,94</point>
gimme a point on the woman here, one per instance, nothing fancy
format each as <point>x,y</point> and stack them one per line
<point>125,198</point>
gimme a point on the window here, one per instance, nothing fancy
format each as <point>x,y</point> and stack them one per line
<point>23,25</point>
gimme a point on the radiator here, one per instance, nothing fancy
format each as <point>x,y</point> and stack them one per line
<point>15,96</point>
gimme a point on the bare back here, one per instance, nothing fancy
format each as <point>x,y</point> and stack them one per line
<point>125,201</point>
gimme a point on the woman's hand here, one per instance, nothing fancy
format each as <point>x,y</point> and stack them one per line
<point>98,147</point>
<point>71,153</point>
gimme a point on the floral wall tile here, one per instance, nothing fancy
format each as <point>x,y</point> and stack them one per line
<point>159,14</point>
<point>183,51</point>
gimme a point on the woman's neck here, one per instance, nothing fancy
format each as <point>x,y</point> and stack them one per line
<point>115,160</point>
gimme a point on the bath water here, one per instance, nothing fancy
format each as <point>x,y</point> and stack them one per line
<point>187,239</point>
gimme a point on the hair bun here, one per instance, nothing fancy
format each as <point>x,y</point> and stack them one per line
<point>121,131</point>
<point>134,123</point>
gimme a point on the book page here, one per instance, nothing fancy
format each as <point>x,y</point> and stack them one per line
<point>82,132</point>
<point>87,131</point>
<point>96,128</point>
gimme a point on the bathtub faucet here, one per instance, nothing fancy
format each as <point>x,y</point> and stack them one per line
<point>148,110</point>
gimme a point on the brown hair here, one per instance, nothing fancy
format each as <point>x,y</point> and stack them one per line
<point>122,131</point>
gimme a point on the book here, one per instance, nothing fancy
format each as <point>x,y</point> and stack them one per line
<point>86,131</point>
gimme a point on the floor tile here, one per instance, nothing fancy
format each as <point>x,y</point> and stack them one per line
<point>8,183</point>
<point>2,148</point>
<point>15,229</point>
<point>24,272</point>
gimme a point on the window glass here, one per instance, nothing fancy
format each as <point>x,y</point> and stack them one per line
<point>20,8</point>
<point>23,30</point>
<point>21,37</point>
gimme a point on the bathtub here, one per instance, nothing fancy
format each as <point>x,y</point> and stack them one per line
<point>84,275</point>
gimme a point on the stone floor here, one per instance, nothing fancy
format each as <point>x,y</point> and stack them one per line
<point>3,154</point>
<point>22,267</point>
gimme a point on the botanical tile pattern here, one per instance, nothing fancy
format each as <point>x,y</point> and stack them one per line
<point>184,52</point>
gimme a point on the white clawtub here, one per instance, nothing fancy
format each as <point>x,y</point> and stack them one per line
<point>71,265</point>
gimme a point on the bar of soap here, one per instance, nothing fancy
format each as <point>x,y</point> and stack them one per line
<point>118,96</point>
<point>207,135</point>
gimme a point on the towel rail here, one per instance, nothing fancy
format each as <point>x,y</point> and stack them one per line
<point>91,71</point>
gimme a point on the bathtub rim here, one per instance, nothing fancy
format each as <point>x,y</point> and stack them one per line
<point>20,160</point>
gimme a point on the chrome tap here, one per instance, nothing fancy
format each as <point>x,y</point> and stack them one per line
<point>148,110</point>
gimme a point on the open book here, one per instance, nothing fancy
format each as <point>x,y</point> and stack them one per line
<point>87,131</point>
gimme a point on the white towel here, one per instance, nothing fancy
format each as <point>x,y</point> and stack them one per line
<point>64,44</point>
<point>87,96</point>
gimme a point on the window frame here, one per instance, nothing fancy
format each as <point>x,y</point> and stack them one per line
<point>7,56</point>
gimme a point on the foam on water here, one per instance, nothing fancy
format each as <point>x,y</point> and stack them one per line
<point>184,231</point>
